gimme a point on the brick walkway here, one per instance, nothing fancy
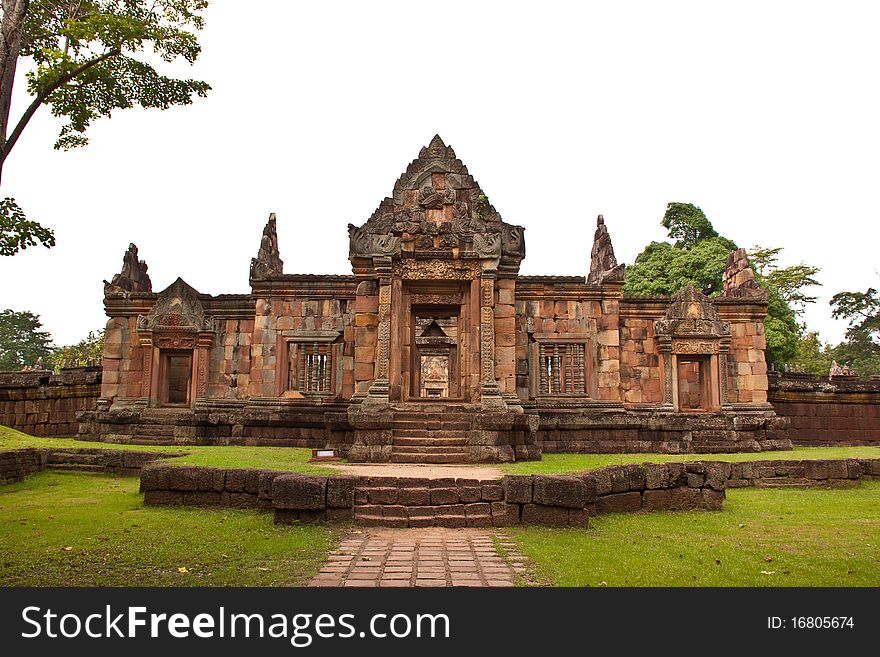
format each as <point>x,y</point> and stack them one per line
<point>432,556</point>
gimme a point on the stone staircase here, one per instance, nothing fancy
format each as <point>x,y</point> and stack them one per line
<point>429,437</point>
<point>410,502</point>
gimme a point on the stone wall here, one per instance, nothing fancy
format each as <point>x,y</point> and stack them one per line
<point>842,410</point>
<point>42,403</point>
<point>565,500</point>
<point>16,464</point>
<point>614,432</point>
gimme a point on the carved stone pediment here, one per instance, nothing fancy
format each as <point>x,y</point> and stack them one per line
<point>178,310</point>
<point>437,210</point>
<point>691,313</point>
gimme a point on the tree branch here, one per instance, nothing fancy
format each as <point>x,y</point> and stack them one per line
<point>44,94</point>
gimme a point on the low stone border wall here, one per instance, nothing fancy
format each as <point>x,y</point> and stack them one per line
<point>42,403</point>
<point>550,500</point>
<point>16,464</point>
<point>840,410</point>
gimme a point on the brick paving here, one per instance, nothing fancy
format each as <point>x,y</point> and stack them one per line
<point>432,556</point>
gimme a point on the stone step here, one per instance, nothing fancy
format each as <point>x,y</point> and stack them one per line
<point>417,441</point>
<point>416,425</point>
<point>164,430</point>
<point>78,467</point>
<point>779,482</point>
<point>150,440</point>
<point>372,519</point>
<point>421,457</point>
<point>426,449</point>
<point>429,433</point>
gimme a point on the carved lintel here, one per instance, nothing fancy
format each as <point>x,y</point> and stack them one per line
<point>695,346</point>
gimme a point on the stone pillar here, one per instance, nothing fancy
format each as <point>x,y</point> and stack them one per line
<point>490,392</point>
<point>668,374</point>
<point>723,373</point>
<point>378,392</point>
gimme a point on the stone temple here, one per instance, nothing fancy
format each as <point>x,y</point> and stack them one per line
<point>435,349</point>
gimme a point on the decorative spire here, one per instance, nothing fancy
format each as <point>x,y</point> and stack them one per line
<point>437,148</point>
<point>739,279</point>
<point>268,263</point>
<point>133,277</point>
<point>603,263</point>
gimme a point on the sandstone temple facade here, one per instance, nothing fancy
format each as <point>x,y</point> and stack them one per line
<point>435,349</point>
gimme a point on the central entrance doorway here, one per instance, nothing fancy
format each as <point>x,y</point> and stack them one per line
<point>435,370</point>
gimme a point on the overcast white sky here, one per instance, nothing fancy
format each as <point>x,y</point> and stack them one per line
<point>765,114</point>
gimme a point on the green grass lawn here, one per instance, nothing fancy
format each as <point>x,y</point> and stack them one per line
<point>563,463</point>
<point>75,529</point>
<point>290,459</point>
<point>763,537</point>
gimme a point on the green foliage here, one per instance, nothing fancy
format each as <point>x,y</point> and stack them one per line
<point>87,64</point>
<point>789,282</point>
<point>863,311</point>
<point>553,464</point>
<point>687,224</point>
<point>781,330</point>
<point>21,340</point>
<point>861,349</point>
<point>88,351</point>
<point>860,353</point>
<point>75,529</point>
<point>699,256</point>
<point>812,536</point>
<point>663,268</point>
<point>813,357</point>
<point>17,232</point>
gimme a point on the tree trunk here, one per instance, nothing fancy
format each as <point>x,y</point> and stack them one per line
<point>14,12</point>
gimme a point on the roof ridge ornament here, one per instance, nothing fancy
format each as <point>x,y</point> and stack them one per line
<point>132,278</point>
<point>268,263</point>
<point>603,262</point>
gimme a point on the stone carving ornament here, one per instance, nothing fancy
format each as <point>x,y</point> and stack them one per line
<point>691,313</point>
<point>476,229</point>
<point>178,308</point>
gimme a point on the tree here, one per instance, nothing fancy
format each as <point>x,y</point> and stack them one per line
<point>89,58</point>
<point>663,268</point>
<point>862,309</point>
<point>88,351</point>
<point>687,224</point>
<point>861,349</point>
<point>699,256</point>
<point>789,282</point>
<point>813,357</point>
<point>21,340</point>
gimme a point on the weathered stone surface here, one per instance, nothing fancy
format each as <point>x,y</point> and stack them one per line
<point>603,263</point>
<point>340,492</point>
<point>619,503</point>
<point>540,514</point>
<point>569,492</point>
<point>299,492</point>
<point>517,489</point>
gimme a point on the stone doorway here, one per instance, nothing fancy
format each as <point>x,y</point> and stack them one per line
<point>435,370</point>
<point>694,393</point>
<point>176,378</point>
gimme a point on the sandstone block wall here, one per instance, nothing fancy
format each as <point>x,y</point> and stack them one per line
<point>46,404</point>
<point>16,464</point>
<point>842,410</point>
<point>556,501</point>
